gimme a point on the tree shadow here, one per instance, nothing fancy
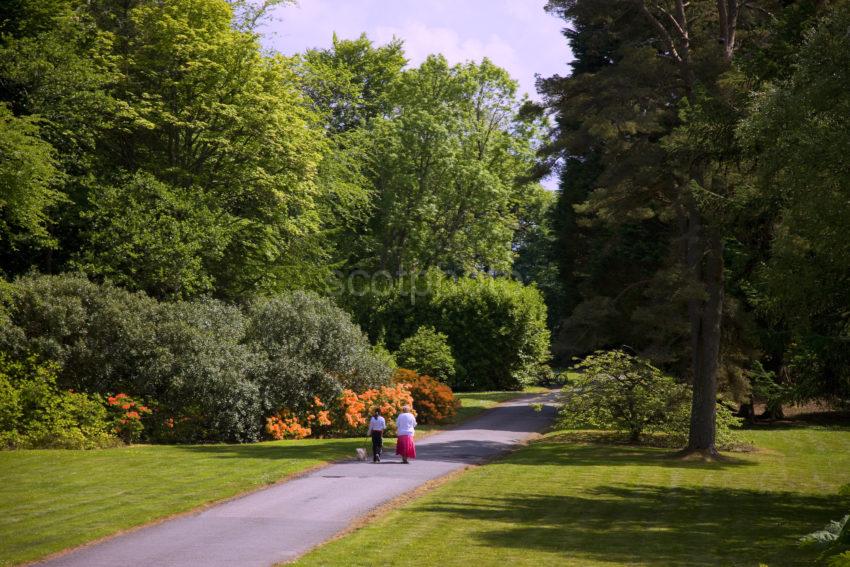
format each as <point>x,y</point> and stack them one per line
<point>618,455</point>
<point>652,525</point>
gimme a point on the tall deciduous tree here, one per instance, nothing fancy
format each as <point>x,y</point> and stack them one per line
<point>449,168</point>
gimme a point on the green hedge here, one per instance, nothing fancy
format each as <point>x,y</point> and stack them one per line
<point>496,327</point>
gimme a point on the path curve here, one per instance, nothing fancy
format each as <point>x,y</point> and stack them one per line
<point>279,523</point>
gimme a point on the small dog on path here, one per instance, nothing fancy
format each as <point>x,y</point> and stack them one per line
<point>361,454</point>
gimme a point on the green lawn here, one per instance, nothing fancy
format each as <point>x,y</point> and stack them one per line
<point>473,403</point>
<point>54,499</point>
<point>557,503</point>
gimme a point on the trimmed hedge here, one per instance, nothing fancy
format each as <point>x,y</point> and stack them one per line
<point>496,327</point>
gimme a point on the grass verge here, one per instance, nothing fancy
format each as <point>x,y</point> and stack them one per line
<point>562,503</point>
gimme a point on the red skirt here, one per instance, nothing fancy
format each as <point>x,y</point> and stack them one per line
<point>404,446</point>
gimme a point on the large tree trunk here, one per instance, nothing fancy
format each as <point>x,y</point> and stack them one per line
<point>706,323</point>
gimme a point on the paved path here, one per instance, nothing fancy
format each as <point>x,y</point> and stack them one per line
<point>276,524</point>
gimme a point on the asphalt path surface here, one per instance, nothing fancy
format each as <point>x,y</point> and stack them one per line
<point>279,523</point>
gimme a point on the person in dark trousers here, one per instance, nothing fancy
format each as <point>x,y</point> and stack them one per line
<point>377,425</point>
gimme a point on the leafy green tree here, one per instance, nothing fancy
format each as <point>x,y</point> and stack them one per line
<point>615,390</point>
<point>348,85</point>
<point>448,169</point>
<point>146,235</point>
<point>350,82</point>
<point>656,106</point>
<point>180,91</point>
<point>27,178</point>
<point>798,132</point>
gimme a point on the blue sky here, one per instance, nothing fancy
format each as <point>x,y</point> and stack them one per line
<point>515,34</point>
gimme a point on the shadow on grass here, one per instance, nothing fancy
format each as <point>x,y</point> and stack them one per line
<point>617,455</point>
<point>652,525</point>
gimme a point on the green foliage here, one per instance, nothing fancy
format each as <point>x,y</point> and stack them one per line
<point>617,391</point>
<point>310,347</point>
<point>428,352</point>
<point>798,133</point>
<point>213,371</point>
<point>449,167</point>
<point>146,235</point>
<point>350,83</point>
<point>834,540</point>
<point>765,388</point>
<point>27,174</point>
<point>174,117</point>
<point>496,328</point>
<point>35,413</point>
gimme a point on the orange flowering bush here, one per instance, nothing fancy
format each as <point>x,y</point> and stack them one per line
<point>347,416</point>
<point>435,402</point>
<point>127,414</point>
<point>286,425</point>
<point>389,399</point>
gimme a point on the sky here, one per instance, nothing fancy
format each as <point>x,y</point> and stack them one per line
<point>515,34</point>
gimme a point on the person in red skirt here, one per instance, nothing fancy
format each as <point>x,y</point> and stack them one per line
<point>405,424</point>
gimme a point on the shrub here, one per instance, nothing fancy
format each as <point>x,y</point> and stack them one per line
<point>346,416</point>
<point>496,328</point>
<point>34,413</point>
<point>102,338</point>
<point>834,540</point>
<point>428,352</point>
<point>434,401</point>
<point>678,423</point>
<point>206,377</point>
<point>188,356</point>
<point>215,372</point>
<point>616,391</point>
<point>353,410</point>
<point>127,415</point>
<point>310,348</point>
<point>621,392</point>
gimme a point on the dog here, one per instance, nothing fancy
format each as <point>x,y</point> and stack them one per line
<point>361,454</point>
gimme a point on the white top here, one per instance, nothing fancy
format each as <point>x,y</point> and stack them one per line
<point>405,423</point>
<point>377,424</point>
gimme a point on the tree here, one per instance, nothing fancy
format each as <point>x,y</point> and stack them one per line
<point>27,176</point>
<point>798,135</point>
<point>449,169</point>
<point>656,106</point>
<point>182,93</point>
<point>350,83</point>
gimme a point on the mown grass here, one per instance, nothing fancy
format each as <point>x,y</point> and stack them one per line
<point>55,499</point>
<point>560,503</point>
<point>474,403</point>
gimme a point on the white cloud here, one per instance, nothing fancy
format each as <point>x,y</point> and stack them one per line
<point>421,40</point>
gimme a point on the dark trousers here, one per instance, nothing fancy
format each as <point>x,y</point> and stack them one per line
<point>377,444</point>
